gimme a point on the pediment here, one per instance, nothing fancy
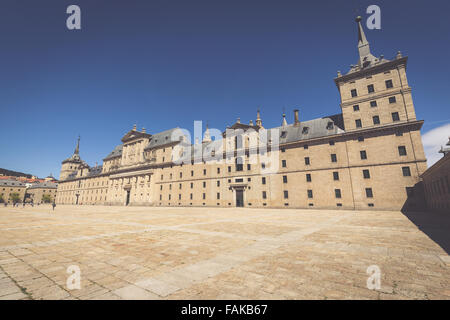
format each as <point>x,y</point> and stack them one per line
<point>134,135</point>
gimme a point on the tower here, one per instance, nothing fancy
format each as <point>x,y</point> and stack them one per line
<point>71,164</point>
<point>375,92</point>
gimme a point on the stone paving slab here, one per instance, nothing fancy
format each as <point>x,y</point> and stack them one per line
<point>220,253</point>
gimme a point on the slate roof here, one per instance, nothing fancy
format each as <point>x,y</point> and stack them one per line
<point>160,139</point>
<point>44,185</point>
<point>115,153</point>
<point>11,183</point>
<point>95,171</point>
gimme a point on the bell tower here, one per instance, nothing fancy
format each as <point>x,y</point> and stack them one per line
<point>71,164</point>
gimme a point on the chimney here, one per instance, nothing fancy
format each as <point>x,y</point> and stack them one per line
<point>296,121</point>
<point>143,130</point>
<point>238,120</point>
<point>134,128</point>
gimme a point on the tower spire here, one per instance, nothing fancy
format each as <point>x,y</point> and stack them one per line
<point>258,118</point>
<point>77,148</point>
<point>365,57</point>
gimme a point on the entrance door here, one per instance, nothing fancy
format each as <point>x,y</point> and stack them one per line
<point>239,198</point>
<point>128,198</point>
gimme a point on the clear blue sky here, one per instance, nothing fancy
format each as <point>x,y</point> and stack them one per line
<point>162,64</point>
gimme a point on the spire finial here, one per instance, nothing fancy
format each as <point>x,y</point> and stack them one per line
<point>365,57</point>
<point>284,123</point>
<point>258,118</point>
<point>134,127</point>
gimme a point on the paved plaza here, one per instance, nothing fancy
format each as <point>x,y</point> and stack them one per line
<point>221,253</point>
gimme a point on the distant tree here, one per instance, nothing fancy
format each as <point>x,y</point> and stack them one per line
<point>15,197</point>
<point>46,198</point>
<point>1,198</point>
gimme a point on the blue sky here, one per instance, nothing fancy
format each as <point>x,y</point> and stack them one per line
<point>162,64</point>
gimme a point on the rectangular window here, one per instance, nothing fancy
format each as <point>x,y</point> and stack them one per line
<point>337,193</point>
<point>369,193</point>
<point>204,184</point>
<point>308,177</point>
<point>263,165</point>
<point>356,108</point>
<point>354,93</point>
<point>249,167</point>
<point>402,150</point>
<point>358,123</point>
<point>229,168</point>
<point>204,196</point>
<point>286,194</point>
<point>218,183</point>
<point>264,195</point>
<point>363,154</point>
<point>373,104</point>
<point>389,84</point>
<point>366,174</point>
<point>263,180</point>
<point>218,170</point>
<point>335,175</point>
<point>406,171</point>
<point>333,157</point>
<point>179,197</point>
<point>370,88</point>
<point>360,139</point>
<point>395,116</point>
<point>283,163</point>
<point>376,119</point>
<point>307,162</point>
<point>181,174</point>
<point>191,196</point>
<point>218,195</point>
<point>331,142</point>
<point>180,185</point>
<point>310,194</point>
<point>192,185</point>
<point>392,100</point>
<point>192,173</point>
<point>284,179</point>
<point>204,172</point>
<point>305,147</point>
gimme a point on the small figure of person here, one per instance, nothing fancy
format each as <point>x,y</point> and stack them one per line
<point>53,205</point>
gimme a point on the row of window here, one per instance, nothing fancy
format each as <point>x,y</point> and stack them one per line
<point>371,88</point>
<point>374,103</point>
<point>376,119</point>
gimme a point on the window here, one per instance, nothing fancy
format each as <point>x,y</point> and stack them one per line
<point>218,183</point>
<point>179,197</point>
<point>395,116</point>
<point>402,150</point>
<point>283,134</point>
<point>363,154</point>
<point>331,142</point>
<point>204,172</point>
<point>337,193</point>
<point>263,180</point>
<point>264,195</point>
<point>308,177</point>
<point>358,123</point>
<point>333,157</point>
<point>399,134</point>
<point>366,174</point>
<point>204,184</point>
<point>354,93</point>
<point>181,174</point>
<point>392,100</point>
<point>305,130</point>
<point>229,168</point>
<point>356,108</point>
<point>249,167</point>
<point>406,171</point>
<point>283,150</point>
<point>370,88</point>
<point>307,162</point>
<point>283,163</point>
<point>284,179</point>
<point>310,194</point>
<point>373,104</point>
<point>335,175</point>
<point>263,165</point>
<point>369,193</point>
<point>305,147</point>
<point>180,186</point>
<point>191,196</point>
<point>192,185</point>
<point>286,194</point>
<point>360,139</point>
<point>204,196</point>
<point>389,84</point>
<point>218,195</point>
<point>376,119</point>
<point>218,170</point>
<point>192,173</point>
<point>330,125</point>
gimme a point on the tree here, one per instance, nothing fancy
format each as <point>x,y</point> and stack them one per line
<point>15,197</point>
<point>1,198</point>
<point>46,198</point>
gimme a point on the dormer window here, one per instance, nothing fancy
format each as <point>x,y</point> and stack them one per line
<point>330,125</point>
<point>283,134</point>
<point>305,130</point>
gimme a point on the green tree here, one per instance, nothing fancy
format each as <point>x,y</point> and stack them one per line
<point>15,197</point>
<point>46,198</point>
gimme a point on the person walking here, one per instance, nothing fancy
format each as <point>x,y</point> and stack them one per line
<point>53,205</point>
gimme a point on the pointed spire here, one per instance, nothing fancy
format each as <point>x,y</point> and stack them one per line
<point>258,118</point>
<point>365,57</point>
<point>284,123</point>
<point>143,130</point>
<point>134,127</point>
<point>77,148</point>
<point>207,136</point>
